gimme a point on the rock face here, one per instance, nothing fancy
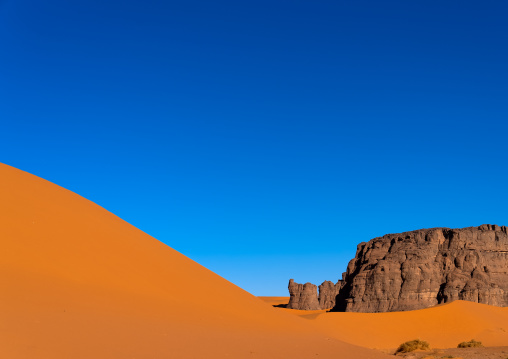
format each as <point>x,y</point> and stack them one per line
<point>305,296</point>
<point>327,294</point>
<point>419,269</point>
<point>302,296</point>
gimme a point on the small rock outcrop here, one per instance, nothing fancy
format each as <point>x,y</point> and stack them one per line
<point>305,296</point>
<point>419,269</point>
<point>302,296</point>
<point>327,293</point>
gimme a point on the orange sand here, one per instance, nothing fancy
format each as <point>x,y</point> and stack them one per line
<point>442,326</point>
<point>275,300</point>
<point>78,282</point>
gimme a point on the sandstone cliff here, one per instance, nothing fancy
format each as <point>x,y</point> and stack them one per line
<point>419,269</point>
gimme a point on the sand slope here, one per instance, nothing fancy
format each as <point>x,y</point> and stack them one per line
<point>78,282</point>
<point>442,326</point>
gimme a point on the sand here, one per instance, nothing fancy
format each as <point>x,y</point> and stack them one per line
<point>443,326</point>
<point>275,301</point>
<point>77,282</point>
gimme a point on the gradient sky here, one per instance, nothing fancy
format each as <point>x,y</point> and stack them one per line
<point>263,139</point>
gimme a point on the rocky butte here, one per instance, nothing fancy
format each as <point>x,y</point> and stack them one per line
<point>416,270</point>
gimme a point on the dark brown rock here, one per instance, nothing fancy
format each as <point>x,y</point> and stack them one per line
<point>327,294</point>
<point>303,296</point>
<point>422,268</point>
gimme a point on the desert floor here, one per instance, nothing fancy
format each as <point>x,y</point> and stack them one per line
<point>468,353</point>
<point>442,326</point>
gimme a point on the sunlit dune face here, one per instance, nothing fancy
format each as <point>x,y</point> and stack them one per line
<point>78,282</point>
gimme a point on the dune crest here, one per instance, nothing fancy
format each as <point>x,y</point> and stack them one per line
<point>78,282</point>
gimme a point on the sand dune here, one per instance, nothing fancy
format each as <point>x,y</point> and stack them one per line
<point>78,282</point>
<point>442,326</point>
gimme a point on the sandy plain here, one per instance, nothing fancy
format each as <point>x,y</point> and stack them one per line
<point>443,327</point>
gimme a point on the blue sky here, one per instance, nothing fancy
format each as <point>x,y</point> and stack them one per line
<point>263,139</point>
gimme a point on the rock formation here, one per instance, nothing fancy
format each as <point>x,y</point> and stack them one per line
<point>327,294</point>
<point>302,296</point>
<point>305,296</point>
<point>419,269</point>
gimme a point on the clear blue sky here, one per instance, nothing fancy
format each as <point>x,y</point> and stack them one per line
<point>263,139</point>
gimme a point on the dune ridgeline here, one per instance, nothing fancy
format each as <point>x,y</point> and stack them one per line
<point>79,282</point>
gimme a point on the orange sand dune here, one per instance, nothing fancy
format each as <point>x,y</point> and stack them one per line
<point>78,282</point>
<point>442,326</point>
